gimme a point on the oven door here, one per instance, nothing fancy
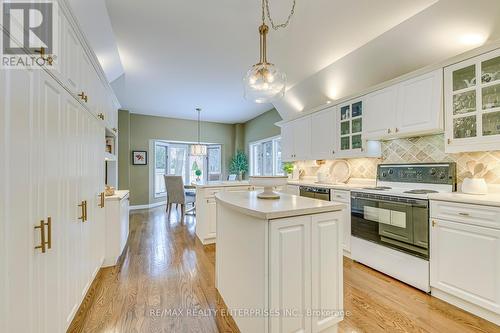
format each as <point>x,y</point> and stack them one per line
<point>399,223</point>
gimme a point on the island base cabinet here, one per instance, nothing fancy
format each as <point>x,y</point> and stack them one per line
<point>465,267</point>
<point>306,273</point>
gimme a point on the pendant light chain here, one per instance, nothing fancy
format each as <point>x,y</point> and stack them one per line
<point>199,111</point>
<point>273,25</point>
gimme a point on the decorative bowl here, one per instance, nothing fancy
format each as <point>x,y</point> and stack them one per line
<point>269,183</point>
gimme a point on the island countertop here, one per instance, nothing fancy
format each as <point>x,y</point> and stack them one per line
<point>224,183</point>
<point>287,206</point>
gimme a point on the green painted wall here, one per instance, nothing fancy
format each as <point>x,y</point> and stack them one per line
<point>124,149</point>
<point>145,129</point>
<point>137,132</point>
<point>262,127</point>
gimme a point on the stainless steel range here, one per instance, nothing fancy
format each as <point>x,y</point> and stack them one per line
<point>390,222</point>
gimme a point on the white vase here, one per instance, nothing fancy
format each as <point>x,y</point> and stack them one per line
<point>474,186</point>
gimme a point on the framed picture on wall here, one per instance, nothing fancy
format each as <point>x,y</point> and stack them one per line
<point>139,157</point>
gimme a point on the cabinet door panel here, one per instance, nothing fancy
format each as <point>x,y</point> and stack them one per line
<point>420,104</point>
<point>72,52</point>
<point>290,280</point>
<point>287,142</point>
<point>326,258</point>
<point>18,208</point>
<point>380,114</point>
<point>323,134</point>
<point>212,217</point>
<point>48,269</point>
<point>302,138</point>
<point>470,272</point>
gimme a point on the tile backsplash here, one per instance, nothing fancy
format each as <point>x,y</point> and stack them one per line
<point>431,149</point>
<point>426,149</point>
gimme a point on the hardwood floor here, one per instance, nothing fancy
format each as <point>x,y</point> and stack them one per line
<point>166,268</point>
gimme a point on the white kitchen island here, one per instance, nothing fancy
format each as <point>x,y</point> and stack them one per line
<point>279,262</point>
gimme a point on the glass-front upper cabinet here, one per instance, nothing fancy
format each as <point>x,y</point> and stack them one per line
<point>350,122</point>
<point>472,104</point>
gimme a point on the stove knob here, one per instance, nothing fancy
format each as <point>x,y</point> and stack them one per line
<point>384,174</point>
<point>433,172</point>
<point>442,175</point>
<point>391,171</point>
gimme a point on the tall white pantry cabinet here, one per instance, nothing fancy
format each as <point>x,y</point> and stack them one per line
<point>51,185</point>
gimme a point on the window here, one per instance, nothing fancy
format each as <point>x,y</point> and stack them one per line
<point>265,157</point>
<point>174,159</point>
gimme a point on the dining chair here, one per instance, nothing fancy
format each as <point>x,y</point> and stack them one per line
<point>176,194</point>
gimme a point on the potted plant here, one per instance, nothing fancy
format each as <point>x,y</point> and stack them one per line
<point>239,164</point>
<point>288,169</point>
<point>197,171</point>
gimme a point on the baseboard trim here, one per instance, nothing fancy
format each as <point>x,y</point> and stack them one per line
<point>153,205</point>
<point>466,306</point>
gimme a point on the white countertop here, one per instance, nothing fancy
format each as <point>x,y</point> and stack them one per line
<point>223,184</point>
<point>287,206</point>
<point>357,184</point>
<point>119,195</point>
<point>492,199</point>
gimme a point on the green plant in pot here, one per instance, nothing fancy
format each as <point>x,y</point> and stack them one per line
<point>288,168</point>
<point>197,171</point>
<point>239,164</point>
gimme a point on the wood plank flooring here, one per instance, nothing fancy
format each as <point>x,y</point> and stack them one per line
<point>165,268</point>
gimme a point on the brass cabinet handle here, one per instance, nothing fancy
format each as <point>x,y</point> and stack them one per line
<point>101,196</point>
<point>397,130</point>
<point>85,210</point>
<point>434,223</point>
<point>101,116</point>
<point>42,236</point>
<point>449,141</point>
<point>115,130</point>
<point>84,97</point>
<point>49,232</point>
<point>389,131</point>
<point>49,60</point>
<point>464,214</point>
<point>82,206</point>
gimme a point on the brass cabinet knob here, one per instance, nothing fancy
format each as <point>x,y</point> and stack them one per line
<point>389,131</point>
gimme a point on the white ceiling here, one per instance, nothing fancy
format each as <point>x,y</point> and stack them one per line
<point>178,55</point>
<point>444,30</point>
<point>93,18</point>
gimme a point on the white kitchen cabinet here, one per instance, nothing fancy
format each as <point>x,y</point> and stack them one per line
<point>117,225</point>
<point>323,134</point>
<point>380,113</point>
<point>345,198</point>
<point>296,140</point>
<point>206,208</point>
<point>470,272</point>
<point>287,142</point>
<point>212,217</point>
<point>420,105</point>
<point>350,126</point>
<point>290,273</point>
<point>472,104</point>
<point>53,153</point>
<point>326,269</point>
<point>409,108</point>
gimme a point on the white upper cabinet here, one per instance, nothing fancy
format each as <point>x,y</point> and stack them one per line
<point>296,140</point>
<point>287,146</point>
<point>380,113</point>
<point>412,107</point>
<point>323,134</point>
<point>420,105</point>
<point>302,138</point>
<point>472,104</point>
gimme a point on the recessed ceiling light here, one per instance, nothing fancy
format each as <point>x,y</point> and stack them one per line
<point>473,39</point>
<point>328,102</point>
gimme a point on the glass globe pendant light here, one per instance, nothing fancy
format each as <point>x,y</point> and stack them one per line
<point>198,149</point>
<point>264,82</point>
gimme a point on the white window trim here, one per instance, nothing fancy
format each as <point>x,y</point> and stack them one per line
<point>250,144</point>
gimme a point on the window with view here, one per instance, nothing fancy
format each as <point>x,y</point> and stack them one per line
<point>265,157</point>
<point>175,159</point>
